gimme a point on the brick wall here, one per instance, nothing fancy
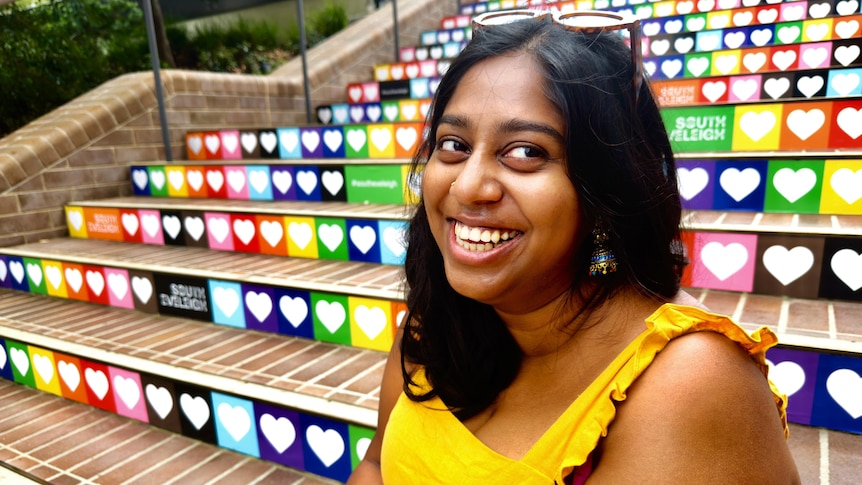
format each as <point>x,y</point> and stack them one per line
<point>81,150</point>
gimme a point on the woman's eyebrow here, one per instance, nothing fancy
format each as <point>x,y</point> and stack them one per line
<point>454,120</point>
<point>518,125</point>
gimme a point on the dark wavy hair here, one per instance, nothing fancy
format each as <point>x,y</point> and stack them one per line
<point>621,164</point>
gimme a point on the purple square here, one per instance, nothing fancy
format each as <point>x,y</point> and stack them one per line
<point>283,182</point>
<point>278,434</point>
<point>794,372</point>
<point>260,308</point>
<point>696,180</point>
<point>311,140</point>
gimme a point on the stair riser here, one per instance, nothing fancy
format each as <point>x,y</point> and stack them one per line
<point>378,141</point>
<point>257,428</point>
<point>338,239</point>
<point>361,184</point>
<point>337,318</point>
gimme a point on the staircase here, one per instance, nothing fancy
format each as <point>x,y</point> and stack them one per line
<point>228,322</point>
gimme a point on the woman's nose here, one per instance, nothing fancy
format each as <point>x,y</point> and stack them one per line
<point>477,182</point>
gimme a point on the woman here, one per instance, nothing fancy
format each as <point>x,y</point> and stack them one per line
<point>544,264</point>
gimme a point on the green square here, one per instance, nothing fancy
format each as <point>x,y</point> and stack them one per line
<point>326,310</point>
<point>695,22</point>
<point>699,129</point>
<point>360,437</point>
<point>356,141</point>
<point>781,33</point>
<point>158,174</point>
<point>40,288</point>
<point>27,378</point>
<point>795,178</point>
<point>328,236</point>
<point>389,108</point>
<point>374,184</point>
<point>702,61</point>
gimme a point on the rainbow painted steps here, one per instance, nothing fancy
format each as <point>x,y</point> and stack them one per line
<point>204,383</point>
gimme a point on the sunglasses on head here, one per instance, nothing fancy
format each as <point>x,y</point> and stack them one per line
<point>586,21</point>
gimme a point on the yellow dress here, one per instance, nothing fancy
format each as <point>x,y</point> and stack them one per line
<point>425,443</point>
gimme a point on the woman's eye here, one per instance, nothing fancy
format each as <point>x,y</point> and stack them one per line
<point>525,152</point>
<point>450,146</point>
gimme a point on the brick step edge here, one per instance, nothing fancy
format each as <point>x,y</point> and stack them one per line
<point>328,437</point>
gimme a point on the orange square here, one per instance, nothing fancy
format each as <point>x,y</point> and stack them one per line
<point>196,181</point>
<point>805,126</point>
<point>103,223</point>
<point>677,93</point>
<point>273,239</point>
<point>408,137</point>
<point>195,146</point>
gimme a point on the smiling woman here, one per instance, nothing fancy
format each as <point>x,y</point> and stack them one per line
<point>547,339</point>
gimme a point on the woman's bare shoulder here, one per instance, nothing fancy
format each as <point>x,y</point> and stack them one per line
<point>701,413</point>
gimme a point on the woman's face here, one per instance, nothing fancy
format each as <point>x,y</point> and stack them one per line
<point>509,225</point>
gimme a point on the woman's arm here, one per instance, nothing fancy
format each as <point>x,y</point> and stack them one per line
<point>368,470</point>
<point>701,413</point>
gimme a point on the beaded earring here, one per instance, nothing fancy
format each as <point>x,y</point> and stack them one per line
<point>603,260</point>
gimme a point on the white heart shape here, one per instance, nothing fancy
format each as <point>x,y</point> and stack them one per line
<point>279,432</point>
<point>331,315</point>
<point>160,400</point>
<point>723,261</point>
<point>794,184</point>
<point>847,266</point>
<point>142,288</point>
<point>128,390</point>
<point>372,321</point>
<point>805,123</point>
<point>259,304</point>
<point>327,445</point>
<point>788,376</point>
<point>787,266</point>
<point>226,299</point>
<point>97,381</point>
<point>847,184</point>
<point>195,409</point>
<point>739,184</point>
<point>691,182</point>
<point>235,420</point>
<point>332,181</point>
<point>69,373</point>
<point>300,233</point>
<point>757,125</point>
<point>845,387</point>
<point>44,367</point>
<point>331,235</point>
<point>295,310</point>
<point>363,237</point>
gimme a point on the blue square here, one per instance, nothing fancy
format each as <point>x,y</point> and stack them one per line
<point>226,304</point>
<point>393,236</point>
<point>419,88</point>
<point>5,363</point>
<point>293,309</point>
<point>307,181</point>
<point>670,67</point>
<point>838,396</point>
<point>740,185</point>
<point>363,241</point>
<point>333,142</point>
<point>289,146</point>
<point>326,446</point>
<point>5,275</point>
<point>737,38</point>
<point>762,35</point>
<point>236,427</point>
<point>340,114</point>
<point>17,273</point>
<point>140,181</point>
<point>259,182</point>
<point>844,82</point>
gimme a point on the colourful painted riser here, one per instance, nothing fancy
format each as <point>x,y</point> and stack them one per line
<point>256,428</point>
<point>384,183</point>
<point>359,321</point>
<point>403,110</point>
<point>434,51</point>
<point>304,236</point>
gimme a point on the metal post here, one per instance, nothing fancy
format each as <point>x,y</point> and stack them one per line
<point>395,29</point>
<point>302,42</point>
<point>160,97</point>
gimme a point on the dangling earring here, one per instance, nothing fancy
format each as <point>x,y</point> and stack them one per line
<point>603,260</point>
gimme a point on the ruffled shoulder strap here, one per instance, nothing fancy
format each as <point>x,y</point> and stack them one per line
<point>577,432</point>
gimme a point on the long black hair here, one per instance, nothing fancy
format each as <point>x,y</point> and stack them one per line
<point>620,161</point>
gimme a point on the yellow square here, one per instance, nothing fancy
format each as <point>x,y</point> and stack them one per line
<point>55,282</point>
<point>726,62</point>
<point>757,127</point>
<point>75,222</point>
<point>409,110</point>
<point>177,186</point>
<point>412,185</point>
<point>381,141</point>
<point>817,30</point>
<point>842,187</point>
<point>371,323</point>
<point>718,20</point>
<point>44,370</point>
<point>301,237</point>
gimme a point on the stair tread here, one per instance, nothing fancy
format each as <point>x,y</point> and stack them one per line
<point>65,442</point>
<point>211,354</point>
<point>346,277</point>
<point>303,208</point>
<point>785,223</point>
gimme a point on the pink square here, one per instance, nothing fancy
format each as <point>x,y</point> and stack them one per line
<point>219,232</point>
<point>793,11</point>
<point>119,290</point>
<point>151,227</point>
<point>814,56</point>
<point>128,394</point>
<point>230,148</point>
<point>723,261</point>
<point>370,92</point>
<point>237,182</point>
<point>744,88</point>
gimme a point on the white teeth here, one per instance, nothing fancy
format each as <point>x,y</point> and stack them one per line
<point>476,239</point>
